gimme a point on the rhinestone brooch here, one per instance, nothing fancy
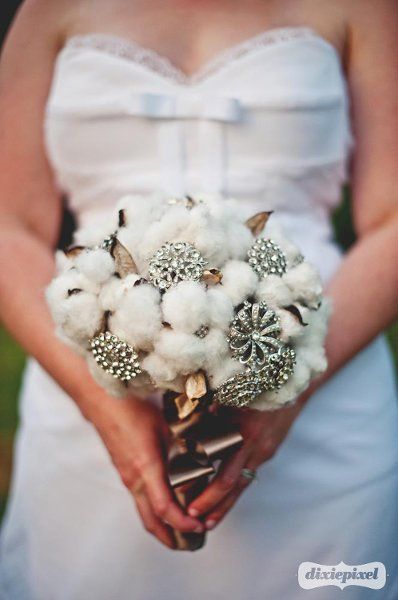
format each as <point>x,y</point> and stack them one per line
<point>266,258</point>
<point>115,356</point>
<point>242,389</point>
<point>253,334</point>
<point>175,262</point>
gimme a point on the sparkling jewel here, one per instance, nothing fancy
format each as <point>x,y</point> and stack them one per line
<point>202,331</point>
<point>242,389</point>
<point>253,334</point>
<point>115,356</point>
<point>266,258</point>
<point>107,243</point>
<point>174,262</point>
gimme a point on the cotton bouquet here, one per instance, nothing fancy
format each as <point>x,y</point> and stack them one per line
<point>183,295</point>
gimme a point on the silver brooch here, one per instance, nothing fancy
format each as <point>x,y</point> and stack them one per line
<point>242,389</point>
<point>115,356</point>
<point>266,258</point>
<point>253,334</point>
<point>175,262</point>
<point>108,242</point>
<point>239,390</point>
<point>279,366</point>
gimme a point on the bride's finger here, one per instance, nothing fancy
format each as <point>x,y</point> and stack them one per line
<point>154,477</point>
<point>218,513</point>
<point>223,483</point>
<point>151,522</point>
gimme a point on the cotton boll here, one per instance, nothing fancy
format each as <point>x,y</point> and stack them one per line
<point>97,265</point>
<point>78,317</point>
<point>290,325</point>
<point>290,250</point>
<point>185,352</point>
<point>161,371</point>
<point>274,292</point>
<point>304,283</point>
<point>185,306</point>
<point>240,239</point>
<point>62,262</point>
<point>315,358</point>
<point>64,287</point>
<point>113,291</point>
<point>171,228</point>
<point>296,384</point>
<point>317,321</point>
<point>216,349</point>
<point>220,307</point>
<point>110,384</point>
<point>96,229</point>
<point>239,281</point>
<point>220,372</point>
<point>138,318</point>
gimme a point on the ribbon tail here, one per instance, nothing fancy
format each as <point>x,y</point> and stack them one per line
<point>185,494</point>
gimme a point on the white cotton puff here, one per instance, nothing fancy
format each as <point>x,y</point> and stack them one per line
<point>78,316</point>
<point>208,235</point>
<point>315,359</point>
<point>170,228</point>
<point>274,232</point>
<point>62,262</point>
<point>291,327</point>
<point>162,372</point>
<point>110,384</point>
<point>63,288</point>
<point>274,292</point>
<point>304,283</point>
<point>239,281</point>
<point>185,352</point>
<point>220,308</point>
<point>185,306</point>
<point>317,320</point>
<point>216,349</point>
<point>113,291</point>
<point>240,240</point>
<point>138,318</point>
<point>220,372</point>
<point>95,230</point>
<point>288,393</point>
<point>97,265</point>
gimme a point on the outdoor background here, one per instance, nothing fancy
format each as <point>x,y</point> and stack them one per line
<point>12,357</point>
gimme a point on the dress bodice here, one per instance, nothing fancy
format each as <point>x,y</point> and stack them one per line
<point>266,122</point>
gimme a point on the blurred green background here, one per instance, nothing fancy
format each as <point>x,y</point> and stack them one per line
<point>12,361</point>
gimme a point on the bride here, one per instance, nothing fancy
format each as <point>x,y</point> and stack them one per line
<point>275,103</point>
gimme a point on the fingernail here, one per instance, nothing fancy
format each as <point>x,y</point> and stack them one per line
<point>210,524</point>
<point>193,512</point>
<point>199,529</point>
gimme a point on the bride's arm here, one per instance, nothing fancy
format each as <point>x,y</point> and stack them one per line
<point>30,215</point>
<point>364,291</point>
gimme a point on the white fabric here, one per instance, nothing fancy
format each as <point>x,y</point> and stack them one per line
<point>266,122</point>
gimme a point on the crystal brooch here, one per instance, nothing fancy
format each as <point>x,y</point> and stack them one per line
<point>266,258</point>
<point>115,356</point>
<point>175,262</point>
<point>253,334</point>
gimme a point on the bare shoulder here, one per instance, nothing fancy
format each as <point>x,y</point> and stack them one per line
<point>43,22</point>
<point>371,20</point>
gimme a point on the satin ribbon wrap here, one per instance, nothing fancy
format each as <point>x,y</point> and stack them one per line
<point>198,441</point>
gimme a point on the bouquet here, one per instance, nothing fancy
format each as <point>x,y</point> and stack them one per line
<point>184,296</point>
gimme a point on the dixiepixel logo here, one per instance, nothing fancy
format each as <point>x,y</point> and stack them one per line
<point>312,575</point>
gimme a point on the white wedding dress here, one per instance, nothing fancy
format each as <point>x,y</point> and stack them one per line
<point>266,122</point>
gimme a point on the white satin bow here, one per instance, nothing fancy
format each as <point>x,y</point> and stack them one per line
<point>212,113</point>
<point>186,105</point>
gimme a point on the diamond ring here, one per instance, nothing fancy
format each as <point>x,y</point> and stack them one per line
<point>249,474</point>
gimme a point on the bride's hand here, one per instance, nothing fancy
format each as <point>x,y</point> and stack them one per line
<point>136,436</point>
<point>263,432</point>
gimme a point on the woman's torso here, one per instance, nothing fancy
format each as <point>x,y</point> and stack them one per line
<point>265,121</point>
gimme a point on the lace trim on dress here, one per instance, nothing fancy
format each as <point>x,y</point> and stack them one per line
<point>155,62</point>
